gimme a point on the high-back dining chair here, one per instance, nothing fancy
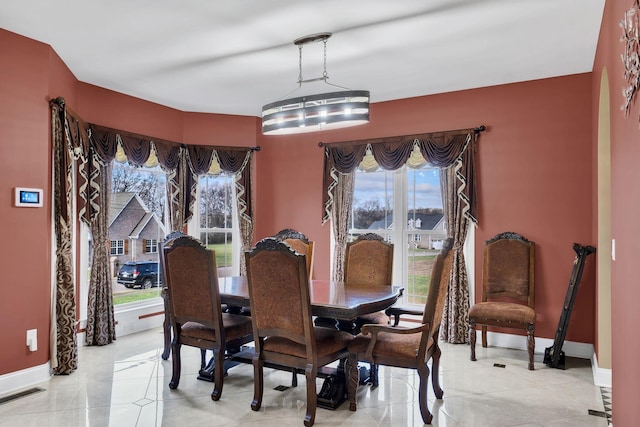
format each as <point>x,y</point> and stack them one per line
<point>407,347</point>
<point>300,243</point>
<point>508,298</point>
<point>191,286</point>
<point>282,322</point>
<point>166,324</point>
<point>369,260</point>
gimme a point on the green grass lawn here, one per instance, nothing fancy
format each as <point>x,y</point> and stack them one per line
<point>135,295</point>
<point>223,254</point>
<point>419,280</point>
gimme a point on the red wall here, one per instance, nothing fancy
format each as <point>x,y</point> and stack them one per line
<point>625,227</point>
<point>25,255</point>
<point>534,169</point>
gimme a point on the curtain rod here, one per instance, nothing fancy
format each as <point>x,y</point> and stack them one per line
<point>476,130</point>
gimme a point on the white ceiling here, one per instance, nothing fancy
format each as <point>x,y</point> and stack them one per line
<point>232,57</point>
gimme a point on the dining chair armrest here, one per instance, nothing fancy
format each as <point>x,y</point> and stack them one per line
<point>396,312</point>
<point>375,330</point>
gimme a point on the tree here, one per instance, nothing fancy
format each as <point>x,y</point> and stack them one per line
<point>215,205</point>
<point>149,184</point>
<point>367,212</point>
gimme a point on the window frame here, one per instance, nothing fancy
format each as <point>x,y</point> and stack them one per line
<point>151,246</point>
<point>401,236</point>
<point>119,247</point>
<point>195,229</point>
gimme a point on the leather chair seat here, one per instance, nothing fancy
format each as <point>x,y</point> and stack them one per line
<point>236,326</point>
<point>401,346</point>
<point>327,342</point>
<point>503,312</point>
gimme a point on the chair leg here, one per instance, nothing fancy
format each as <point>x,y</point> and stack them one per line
<point>472,339</point>
<point>203,358</point>
<point>218,374</point>
<point>423,373</point>
<point>258,382</point>
<point>352,375</point>
<point>435,372</point>
<point>166,329</point>
<point>177,366</point>
<point>373,375</point>
<point>530,344</point>
<point>312,397</point>
<point>396,319</point>
<point>167,339</point>
<point>484,336</point>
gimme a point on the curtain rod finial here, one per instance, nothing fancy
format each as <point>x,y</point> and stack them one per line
<point>59,100</point>
<point>479,129</point>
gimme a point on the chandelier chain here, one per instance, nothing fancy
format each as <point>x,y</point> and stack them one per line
<point>300,65</point>
<point>325,76</point>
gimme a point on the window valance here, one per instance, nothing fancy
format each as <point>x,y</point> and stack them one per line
<point>441,149</point>
<point>96,146</point>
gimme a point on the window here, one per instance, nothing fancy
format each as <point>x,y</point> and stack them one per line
<point>405,207</point>
<point>117,247</point>
<point>151,246</point>
<point>215,221</point>
<point>137,212</point>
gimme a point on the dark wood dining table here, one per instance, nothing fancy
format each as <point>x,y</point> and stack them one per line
<point>332,300</point>
<point>335,304</point>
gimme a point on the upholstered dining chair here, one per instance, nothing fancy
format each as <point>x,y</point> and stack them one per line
<point>282,323</point>
<point>508,297</point>
<point>395,311</point>
<point>166,324</point>
<point>191,286</point>
<point>407,347</point>
<point>369,260</point>
<point>300,243</point>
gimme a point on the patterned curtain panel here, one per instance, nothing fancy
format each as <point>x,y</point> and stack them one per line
<point>64,347</point>
<point>340,219</point>
<point>455,318</point>
<point>101,325</point>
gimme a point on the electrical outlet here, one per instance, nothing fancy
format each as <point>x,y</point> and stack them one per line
<point>32,339</point>
<point>613,249</point>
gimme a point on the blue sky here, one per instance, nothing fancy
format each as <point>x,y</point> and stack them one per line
<point>371,185</point>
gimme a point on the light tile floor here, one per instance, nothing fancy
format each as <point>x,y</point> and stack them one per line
<point>126,384</point>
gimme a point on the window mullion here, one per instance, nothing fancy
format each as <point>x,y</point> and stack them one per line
<point>399,220</point>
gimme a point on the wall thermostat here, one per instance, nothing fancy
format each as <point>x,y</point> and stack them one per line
<point>28,197</point>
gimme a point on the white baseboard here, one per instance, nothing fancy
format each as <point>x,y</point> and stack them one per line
<point>601,376</point>
<point>26,378</point>
<point>519,342</point>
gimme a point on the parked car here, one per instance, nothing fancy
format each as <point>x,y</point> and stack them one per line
<point>139,273</point>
